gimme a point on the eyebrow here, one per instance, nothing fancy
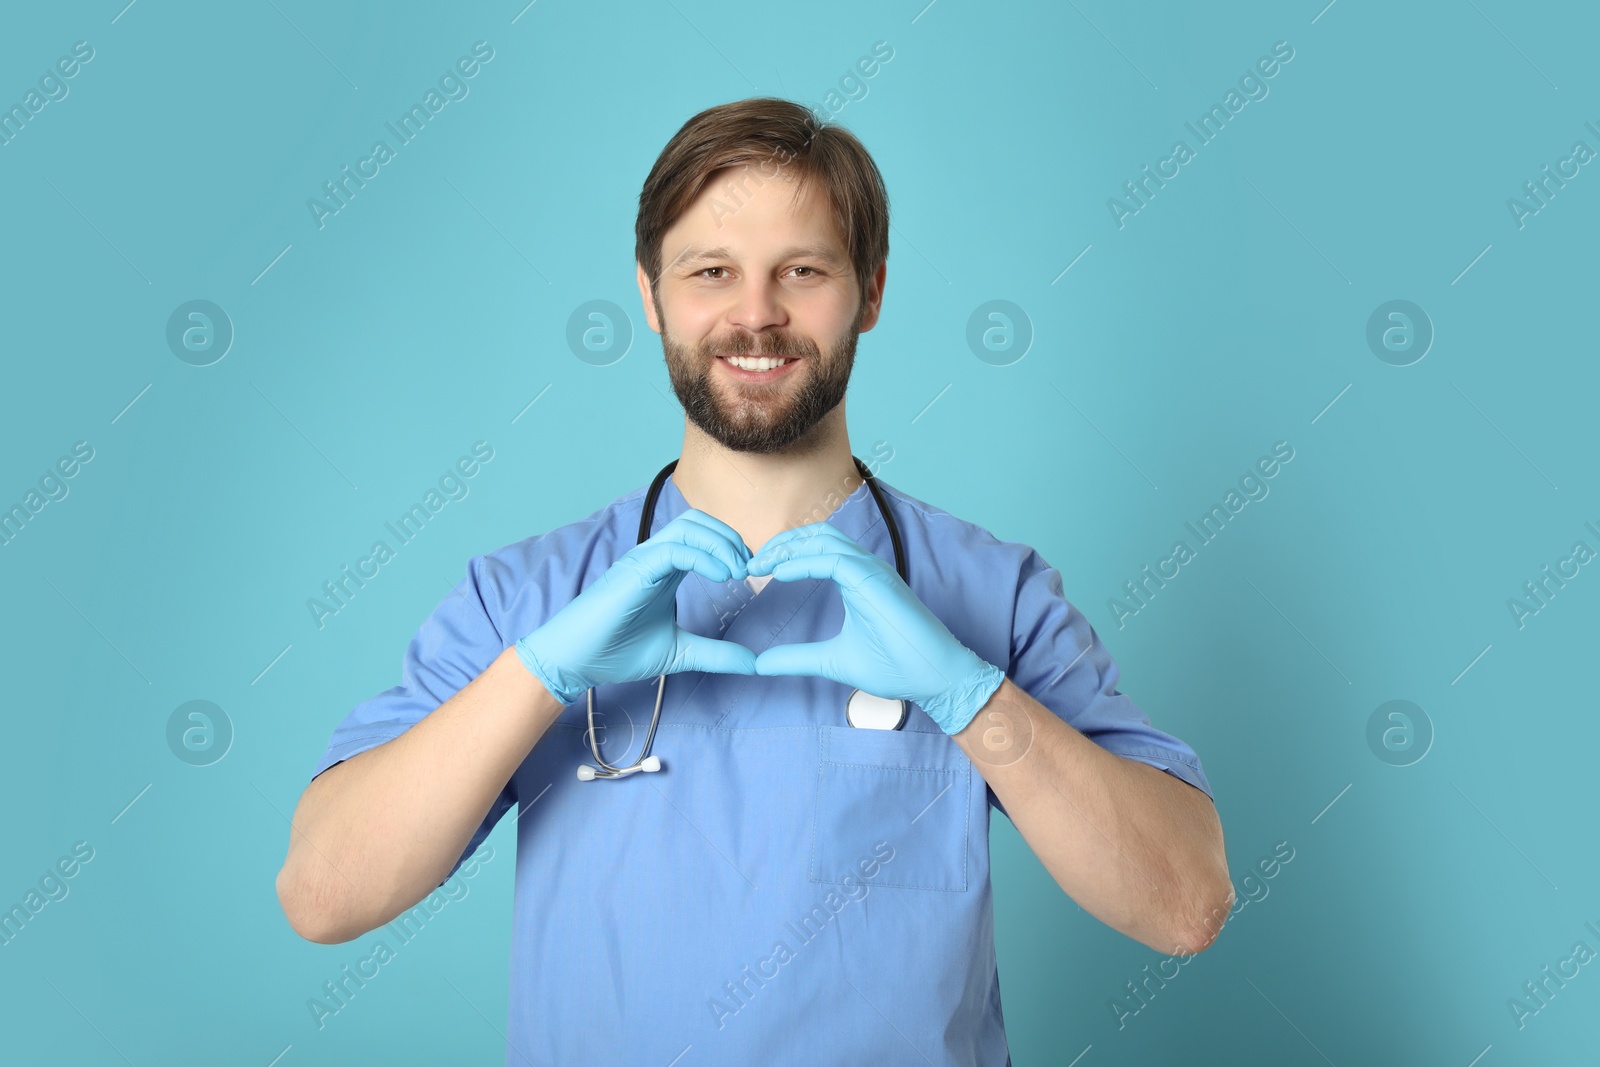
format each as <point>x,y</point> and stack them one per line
<point>695,254</point>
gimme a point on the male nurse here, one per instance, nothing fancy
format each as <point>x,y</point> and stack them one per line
<point>787,887</point>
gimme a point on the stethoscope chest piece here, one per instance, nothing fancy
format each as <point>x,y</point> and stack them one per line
<point>867,712</point>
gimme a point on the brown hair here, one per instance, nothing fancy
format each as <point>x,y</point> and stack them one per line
<point>767,131</point>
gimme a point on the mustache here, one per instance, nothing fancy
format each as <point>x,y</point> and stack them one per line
<point>782,345</point>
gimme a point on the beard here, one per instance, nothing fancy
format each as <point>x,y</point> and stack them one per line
<point>760,417</point>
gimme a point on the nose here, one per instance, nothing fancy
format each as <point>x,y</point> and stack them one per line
<point>756,305</point>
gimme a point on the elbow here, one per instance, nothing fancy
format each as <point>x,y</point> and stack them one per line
<point>1194,938</point>
<point>1203,896</point>
<point>1202,920</point>
<point>311,915</point>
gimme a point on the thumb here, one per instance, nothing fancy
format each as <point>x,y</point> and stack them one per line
<point>697,653</point>
<point>812,658</point>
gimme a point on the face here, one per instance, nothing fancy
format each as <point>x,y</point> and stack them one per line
<point>754,276</point>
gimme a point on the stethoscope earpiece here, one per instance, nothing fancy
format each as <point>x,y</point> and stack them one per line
<point>587,773</point>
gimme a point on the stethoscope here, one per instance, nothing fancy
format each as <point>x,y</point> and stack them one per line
<point>861,709</point>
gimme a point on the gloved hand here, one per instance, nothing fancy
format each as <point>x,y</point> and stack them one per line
<point>621,628</point>
<point>891,645</point>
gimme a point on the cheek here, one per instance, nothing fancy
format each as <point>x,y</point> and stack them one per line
<point>840,317</point>
<point>689,318</point>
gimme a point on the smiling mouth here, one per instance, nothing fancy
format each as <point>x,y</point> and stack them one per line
<point>757,363</point>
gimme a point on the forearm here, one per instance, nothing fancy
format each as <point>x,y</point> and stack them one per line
<point>376,833</point>
<point>1139,849</point>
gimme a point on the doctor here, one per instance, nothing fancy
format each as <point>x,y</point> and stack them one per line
<point>787,887</point>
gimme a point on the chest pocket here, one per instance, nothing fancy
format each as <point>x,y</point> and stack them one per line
<point>883,790</point>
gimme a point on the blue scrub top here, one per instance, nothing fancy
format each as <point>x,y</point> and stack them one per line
<point>788,888</point>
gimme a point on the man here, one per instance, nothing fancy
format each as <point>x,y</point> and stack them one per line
<point>788,887</point>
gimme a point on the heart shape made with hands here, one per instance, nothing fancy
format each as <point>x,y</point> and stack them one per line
<point>877,605</point>
<point>890,645</point>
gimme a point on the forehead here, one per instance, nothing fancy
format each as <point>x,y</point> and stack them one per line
<point>742,213</point>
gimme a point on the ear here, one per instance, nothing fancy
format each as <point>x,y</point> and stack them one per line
<point>873,298</point>
<point>645,297</point>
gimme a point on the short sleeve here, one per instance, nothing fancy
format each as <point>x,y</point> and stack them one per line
<point>1059,660</point>
<point>454,645</point>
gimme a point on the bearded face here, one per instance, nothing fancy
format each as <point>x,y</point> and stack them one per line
<point>770,406</point>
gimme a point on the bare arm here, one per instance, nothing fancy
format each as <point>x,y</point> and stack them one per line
<point>375,834</point>
<point>1139,849</point>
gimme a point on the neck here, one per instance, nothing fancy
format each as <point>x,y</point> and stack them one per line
<point>762,494</point>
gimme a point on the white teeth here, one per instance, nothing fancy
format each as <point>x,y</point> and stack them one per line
<point>755,362</point>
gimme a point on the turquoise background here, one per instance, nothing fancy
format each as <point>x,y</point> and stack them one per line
<point>1228,314</point>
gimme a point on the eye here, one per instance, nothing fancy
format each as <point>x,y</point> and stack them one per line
<point>704,272</point>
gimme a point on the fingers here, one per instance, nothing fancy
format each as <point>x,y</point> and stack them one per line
<point>838,558</point>
<point>660,561</point>
<point>718,530</point>
<point>705,539</point>
<point>811,538</point>
<point>697,653</point>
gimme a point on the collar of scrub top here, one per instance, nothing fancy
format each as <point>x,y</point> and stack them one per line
<point>860,517</point>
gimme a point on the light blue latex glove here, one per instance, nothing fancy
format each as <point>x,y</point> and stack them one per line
<point>621,628</point>
<point>890,645</point>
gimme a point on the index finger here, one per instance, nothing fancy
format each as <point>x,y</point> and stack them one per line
<point>786,544</point>
<point>708,532</point>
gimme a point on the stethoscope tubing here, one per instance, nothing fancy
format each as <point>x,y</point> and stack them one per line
<point>646,762</point>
